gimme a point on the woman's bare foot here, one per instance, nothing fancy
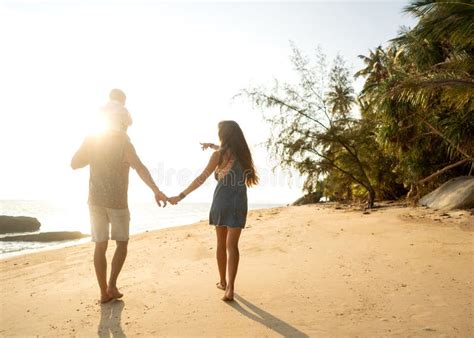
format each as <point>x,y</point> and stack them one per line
<point>221,285</point>
<point>105,298</point>
<point>229,295</point>
<point>114,293</point>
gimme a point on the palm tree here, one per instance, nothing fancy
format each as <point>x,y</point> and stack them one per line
<point>444,19</point>
<point>420,90</point>
<point>441,46</point>
<point>374,66</point>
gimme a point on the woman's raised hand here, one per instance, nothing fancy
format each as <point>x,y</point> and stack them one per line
<point>204,146</point>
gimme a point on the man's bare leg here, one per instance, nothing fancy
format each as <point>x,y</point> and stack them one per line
<point>100,265</point>
<point>117,264</point>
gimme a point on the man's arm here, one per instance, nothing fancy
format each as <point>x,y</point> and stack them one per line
<point>131,157</point>
<point>81,157</point>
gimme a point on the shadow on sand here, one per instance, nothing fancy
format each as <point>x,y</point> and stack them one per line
<point>265,318</point>
<point>110,317</point>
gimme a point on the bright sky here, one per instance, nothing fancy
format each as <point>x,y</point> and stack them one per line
<point>180,64</point>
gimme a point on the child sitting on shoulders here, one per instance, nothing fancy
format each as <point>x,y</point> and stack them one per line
<point>115,112</point>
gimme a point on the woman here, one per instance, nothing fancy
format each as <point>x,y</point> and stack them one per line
<point>234,172</point>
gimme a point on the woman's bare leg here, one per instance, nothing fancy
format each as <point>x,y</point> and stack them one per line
<point>221,255</point>
<point>233,235</point>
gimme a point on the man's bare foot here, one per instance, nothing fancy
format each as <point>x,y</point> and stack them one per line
<point>227,299</point>
<point>221,285</point>
<point>105,299</point>
<point>229,295</point>
<point>114,293</point>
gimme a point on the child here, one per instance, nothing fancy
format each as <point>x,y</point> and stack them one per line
<point>115,112</point>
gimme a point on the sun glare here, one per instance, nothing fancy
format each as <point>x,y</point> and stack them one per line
<point>98,125</point>
<point>95,124</point>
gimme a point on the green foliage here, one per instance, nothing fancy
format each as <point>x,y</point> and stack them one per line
<point>315,131</point>
<point>420,91</point>
<point>416,124</point>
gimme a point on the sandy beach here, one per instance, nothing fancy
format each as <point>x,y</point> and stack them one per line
<point>305,271</point>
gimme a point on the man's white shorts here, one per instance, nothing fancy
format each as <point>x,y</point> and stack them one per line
<point>106,221</point>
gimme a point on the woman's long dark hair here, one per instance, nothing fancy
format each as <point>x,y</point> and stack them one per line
<point>233,141</point>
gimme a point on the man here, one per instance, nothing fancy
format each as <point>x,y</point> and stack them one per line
<point>110,157</point>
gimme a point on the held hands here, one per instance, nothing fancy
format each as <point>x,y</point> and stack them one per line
<point>160,197</point>
<point>174,200</point>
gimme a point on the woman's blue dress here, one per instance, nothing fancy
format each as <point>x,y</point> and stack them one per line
<point>229,205</point>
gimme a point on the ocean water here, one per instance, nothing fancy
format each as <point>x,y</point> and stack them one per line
<point>57,216</point>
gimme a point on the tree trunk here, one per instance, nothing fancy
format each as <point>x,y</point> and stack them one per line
<point>371,197</point>
<point>413,195</point>
<point>439,172</point>
<point>349,193</point>
<point>444,137</point>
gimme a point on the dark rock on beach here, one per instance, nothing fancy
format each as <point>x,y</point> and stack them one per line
<point>10,224</point>
<point>46,237</point>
